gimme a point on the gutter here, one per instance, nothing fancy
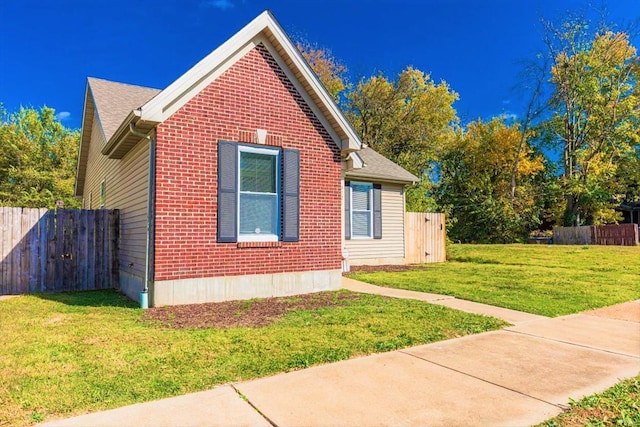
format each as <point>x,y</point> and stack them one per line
<point>148,267</point>
<point>379,178</point>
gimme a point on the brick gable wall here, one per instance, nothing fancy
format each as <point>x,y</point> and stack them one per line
<point>253,94</point>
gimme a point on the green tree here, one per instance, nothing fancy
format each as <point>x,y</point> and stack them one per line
<point>38,159</point>
<point>596,118</point>
<point>409,120</point>
<point>475,186</point>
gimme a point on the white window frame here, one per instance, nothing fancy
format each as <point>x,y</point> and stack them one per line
<point>259,237</point>
<point>370,185</point>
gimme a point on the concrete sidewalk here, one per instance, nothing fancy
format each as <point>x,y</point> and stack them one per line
<point>518,376</point>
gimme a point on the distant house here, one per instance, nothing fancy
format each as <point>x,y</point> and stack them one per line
<point>241,179</point>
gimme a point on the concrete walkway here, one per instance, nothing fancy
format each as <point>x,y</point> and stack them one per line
<point>512,316</point>
<point>518,376</point>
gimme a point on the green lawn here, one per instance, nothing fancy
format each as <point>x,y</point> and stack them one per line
<point>617,406</point>
<point>541,279</point>
<point>66,354</point>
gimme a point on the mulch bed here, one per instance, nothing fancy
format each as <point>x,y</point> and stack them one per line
<point>234,314</point>
<point>391,268</point>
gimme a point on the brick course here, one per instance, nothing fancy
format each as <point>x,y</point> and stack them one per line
<point>253,94</point>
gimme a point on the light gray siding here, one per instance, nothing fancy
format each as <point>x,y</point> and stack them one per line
<point>389,249</point>
<point>127,190</point>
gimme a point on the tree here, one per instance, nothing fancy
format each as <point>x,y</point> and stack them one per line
<point>38,159</point>
<point>476,179</point>
<point>331,72</point>
<point>409,120</point>
<point>596,119</point>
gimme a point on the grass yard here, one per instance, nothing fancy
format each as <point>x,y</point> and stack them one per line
<point>617,406</point>
<point>548,280</point>
<point>66,354</point>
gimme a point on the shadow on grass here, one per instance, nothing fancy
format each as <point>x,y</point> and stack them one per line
<point>101,298</point>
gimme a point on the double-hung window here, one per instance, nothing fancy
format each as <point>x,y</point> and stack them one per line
<point>258,201</point>
<point>258,193</point>
<point>362,210</point>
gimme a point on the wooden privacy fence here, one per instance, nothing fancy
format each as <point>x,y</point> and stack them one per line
<point>424,237</point>
<point>620,235</point>
<point>57,250</point>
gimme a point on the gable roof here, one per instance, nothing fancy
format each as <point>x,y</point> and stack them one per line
<point>264,30</point>
<point>110,103</point>
<point>114,101</point>
<point>376,167</point>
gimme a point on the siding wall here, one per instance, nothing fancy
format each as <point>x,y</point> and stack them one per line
<point>389,249</point>
<point>126,189</point>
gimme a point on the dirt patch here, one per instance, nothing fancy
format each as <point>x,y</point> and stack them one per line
<point>391,268</point>
<point>233,314</point>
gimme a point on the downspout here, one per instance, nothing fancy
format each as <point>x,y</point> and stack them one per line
<point>148,273</point>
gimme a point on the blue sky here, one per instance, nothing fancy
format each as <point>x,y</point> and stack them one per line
<point>49,47</point>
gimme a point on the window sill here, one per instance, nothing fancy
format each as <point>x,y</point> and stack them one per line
<point>244,245</point>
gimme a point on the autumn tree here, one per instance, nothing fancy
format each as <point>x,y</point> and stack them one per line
<point>409,120</point>
<point>331,72</point>
<point>596,117</point>
<point>475,185</point>
<point>38,157</point>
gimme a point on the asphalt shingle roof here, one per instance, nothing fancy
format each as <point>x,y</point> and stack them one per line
<point>378,167</point>
<point>114,101</point>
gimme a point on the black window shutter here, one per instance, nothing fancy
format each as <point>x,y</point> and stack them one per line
<point>227,192</point>
<point>347,210</point>
<point>377,211</point>
<point>290,195</point>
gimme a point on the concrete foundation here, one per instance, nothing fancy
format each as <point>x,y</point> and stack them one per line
<point>228,288</point>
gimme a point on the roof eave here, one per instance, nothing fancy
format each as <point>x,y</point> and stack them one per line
<point>85,136</point>
<point>380,178</point>
<point>123,140</point>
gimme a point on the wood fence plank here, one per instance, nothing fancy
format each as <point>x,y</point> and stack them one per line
<point>16,236</point>
<point>114,231</point>
<point>42,249</point>
<point>50,264</point>
<point>82,250</point>
<point>91,247</point>
<point>99,247</point>
<point>32,254</point>
<point>59,277</point>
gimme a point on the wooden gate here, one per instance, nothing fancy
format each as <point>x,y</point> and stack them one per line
<point>57,250</point>
<point>424,237</point>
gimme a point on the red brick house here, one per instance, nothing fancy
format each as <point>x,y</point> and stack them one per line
<point>241,179</point>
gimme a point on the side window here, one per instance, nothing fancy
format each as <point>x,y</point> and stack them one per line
<point>90,200</point>
<point>103,194</point>
<point>361,209</point>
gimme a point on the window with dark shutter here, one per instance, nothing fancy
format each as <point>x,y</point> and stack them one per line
<point>227,192</point>
<point>347,210</point>
<point>290,195</point>
<point>377,211</point>
<point>258,193</point>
